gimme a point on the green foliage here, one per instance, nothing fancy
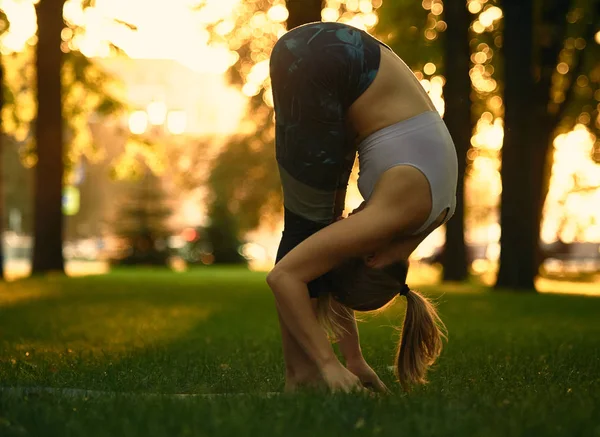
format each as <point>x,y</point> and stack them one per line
<point>246,174</point>
<point>87,90</point>
<point>244,185</point>
<point>574,93</point>
<point>518,365</point>
<point>401,25</point>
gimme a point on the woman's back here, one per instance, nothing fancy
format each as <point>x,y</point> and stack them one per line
<point>395,95</point>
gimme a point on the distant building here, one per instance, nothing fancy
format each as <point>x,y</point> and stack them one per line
<point>209,104</point>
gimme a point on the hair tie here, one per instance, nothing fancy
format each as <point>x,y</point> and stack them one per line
<point>405,290</point>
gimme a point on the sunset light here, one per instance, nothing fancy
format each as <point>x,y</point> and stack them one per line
<point>180,29</point>
<point>184,249</point>
<point>176,122</point>
<point>138,122</point>
<point>572,210</point>
<point>209,37</point>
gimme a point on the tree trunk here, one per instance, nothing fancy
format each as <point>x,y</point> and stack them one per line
<point>554,27</point>
<point>525,186</point>
<point>519,238</point>
<point>48,219</point>
<point>2,185</point>
<point>458,119</point>
<point>303,11</point>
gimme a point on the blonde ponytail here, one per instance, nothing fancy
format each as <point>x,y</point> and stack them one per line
<point>420,341</point>
<point>361,288</point>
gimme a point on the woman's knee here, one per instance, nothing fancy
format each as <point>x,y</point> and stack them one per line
<point>276,277</point>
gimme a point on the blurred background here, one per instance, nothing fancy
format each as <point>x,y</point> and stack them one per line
<point>141,132</point>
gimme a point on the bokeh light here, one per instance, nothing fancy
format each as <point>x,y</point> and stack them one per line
<point>474,6</point>
<point>138,122</point>
<point>157,113</point>
<point>569,212</point>
<point>176,122</point>
<point>562,68</point>
<point>358,13</point>
<point>278,13</point>
<point>429,68</point>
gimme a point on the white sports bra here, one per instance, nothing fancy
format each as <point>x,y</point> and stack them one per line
<point>423,142</point>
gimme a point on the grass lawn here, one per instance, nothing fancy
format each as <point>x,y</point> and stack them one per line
<point>515,365</point>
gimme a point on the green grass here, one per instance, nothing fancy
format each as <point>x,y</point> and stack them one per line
<point>515,365</point>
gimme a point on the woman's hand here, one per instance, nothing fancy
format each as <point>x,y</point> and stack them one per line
<point>338,378</point>
<point>366,375</point>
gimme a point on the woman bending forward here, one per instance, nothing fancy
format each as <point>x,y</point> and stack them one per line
<point>338,91</point>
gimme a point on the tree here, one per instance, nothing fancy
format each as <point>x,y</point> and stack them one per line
<point>534,43</point>
<point>1,172</point>
<point>48,219</point>
<point>56,95</point>
<point>517,211</point>
<point>457,116</point>
<point>412,31</point>
<point>4,24</point>
<point>303,12</point>
<point>222,234</point>
<point>141,222</point>
<point>244,176</point>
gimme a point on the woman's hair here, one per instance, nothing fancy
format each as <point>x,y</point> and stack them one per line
<point>420,341</point>
<point>328,316</point>
<point>361,288</point>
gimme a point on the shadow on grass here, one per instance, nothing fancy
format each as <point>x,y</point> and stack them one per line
<point>142,330</point>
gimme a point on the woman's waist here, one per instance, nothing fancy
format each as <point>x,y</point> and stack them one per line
<point>383,115</point>
<point>406,130</point>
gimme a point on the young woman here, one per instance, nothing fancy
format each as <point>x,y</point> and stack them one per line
<point>337,90</point>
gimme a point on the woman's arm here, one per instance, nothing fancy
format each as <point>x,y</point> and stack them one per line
<point>349,345</point>
<point>297,314</point>
<point>396,207</point>
<point>348,340</point>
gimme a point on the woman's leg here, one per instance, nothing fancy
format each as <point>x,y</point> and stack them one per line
<point>300,370</point>
<point>313,148</point>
